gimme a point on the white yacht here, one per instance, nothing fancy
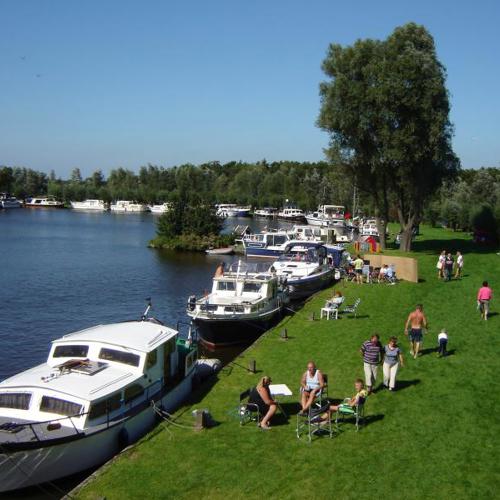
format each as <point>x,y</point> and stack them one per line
<point>327,215</point>
<point>305,267</point>
<point>97,393</point>
<point>243,304</point>
<point>43,202</point>
<point>232,210</point>
<point>7,201</point>
<point>369,228</point>
<point>98,205</point>
<point>266,212</point>
<point>160,208</point>
<point>128,206</point>
<point>293,214</point>
<point>267,243</point>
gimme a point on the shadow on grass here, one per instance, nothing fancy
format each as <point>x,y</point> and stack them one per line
<point>364,422</point>
<point>404,384</point>
<point>451,245</point>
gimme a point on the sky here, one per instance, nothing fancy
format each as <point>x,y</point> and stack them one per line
<point>103,84</point>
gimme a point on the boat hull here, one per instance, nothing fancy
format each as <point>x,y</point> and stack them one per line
<point>38,205</point>
<point>302,288</point>
<point>226,332</point>
<point>25,468</point>
<point>262,252</point>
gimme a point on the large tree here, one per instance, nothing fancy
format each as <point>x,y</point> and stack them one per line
<point>387,111</point>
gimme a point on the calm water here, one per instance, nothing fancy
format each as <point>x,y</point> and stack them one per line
<point>62,271</point>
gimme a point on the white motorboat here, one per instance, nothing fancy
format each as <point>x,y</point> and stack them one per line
<point>160,208</point>
<point>325,234</point>
<point>292,214</point>
<point>305,267</point>
<point>98,392</point>
<point>7,201</point>
<point>243,304</point>
<point>266,212</point>
<point>98,205</point>
<point>369,228</point>
<point>232,210</point>
<point>124,206</point>
<point>43,202</point>
<point>326,216</point>
<point>220,251</point>
<point>267,243</point>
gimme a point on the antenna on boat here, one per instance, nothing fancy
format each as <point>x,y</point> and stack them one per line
<point>149,305</point>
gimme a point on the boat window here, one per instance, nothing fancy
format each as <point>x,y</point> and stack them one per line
<point>279,240</point>
<point>133,391</point>
<point>151,359</point>
<point>71,351</point>
<point>226,285</point>
<point>170,346</point>
<point>16,400</point>
<point>59,406</point>
<point>251,287</point>
<point>126,358</point>
<point>106,405</point>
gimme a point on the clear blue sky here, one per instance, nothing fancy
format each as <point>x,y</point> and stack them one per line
<point>101,84</point>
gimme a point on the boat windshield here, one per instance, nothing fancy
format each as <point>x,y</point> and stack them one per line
<point>15,400</point>
<point>247,268</point>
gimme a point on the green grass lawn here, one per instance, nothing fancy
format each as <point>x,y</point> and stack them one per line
<point>438,436</point>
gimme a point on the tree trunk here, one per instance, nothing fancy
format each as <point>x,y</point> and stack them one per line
<point>406,231</point>
<point>381,228</point>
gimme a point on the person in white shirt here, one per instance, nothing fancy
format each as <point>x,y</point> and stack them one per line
<point>459,265</point>
<point>443,342</point>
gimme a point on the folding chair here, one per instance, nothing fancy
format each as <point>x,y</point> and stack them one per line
<point>312,424</point>
<point>357,411</point>
<point>352,309</point>
<point>246,411</point>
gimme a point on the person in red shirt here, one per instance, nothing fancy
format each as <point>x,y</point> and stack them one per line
<point>484,295</point>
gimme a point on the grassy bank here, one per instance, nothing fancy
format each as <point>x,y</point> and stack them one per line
<point>192,242</point>
<point>438,435</point>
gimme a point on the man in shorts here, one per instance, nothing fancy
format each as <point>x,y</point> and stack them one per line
<point>415,324</point>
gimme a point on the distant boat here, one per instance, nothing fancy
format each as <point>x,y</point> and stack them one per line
<point>232,210</point>
<point>160,208</point>
<point>7,201</point>
<point>369,228</point>
<point>292,214</point>
<point>124,206</point>
<point>266,212</point>
<point>98,205</point>
<point>43,202</point>
<point>327,215</point>
<point>220,251</point>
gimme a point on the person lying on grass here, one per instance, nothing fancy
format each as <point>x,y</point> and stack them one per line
<point>311,385</point>
<point>348,405</point>
<point>261,396</point>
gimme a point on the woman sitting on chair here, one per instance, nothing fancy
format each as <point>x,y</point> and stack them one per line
<point>261,396</point>
<point>311,385</point>
<point>349,403</point>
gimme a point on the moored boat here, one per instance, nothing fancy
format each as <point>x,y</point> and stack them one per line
<point>242,305</point>
<point>43,202</point>
<point>327,215</point>
<point>96,394</point>
<point>98,205</point>
<point>160,208</point>
<point>220,251</point>
<point>305,267</point>
<point>266,212</point>
<point>292,214</point>
<point>125,206</point>
<point>7,201</point>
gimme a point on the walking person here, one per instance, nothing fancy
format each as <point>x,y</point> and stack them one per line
<point>415,324</point>
<point>448,267</point>
<point>440,264</point>
<point>358,269</point>
<point>459,265</point>
<point>484,295</point>
<point>393,359</point>
<point>442,343</point>
<point>371,350</point>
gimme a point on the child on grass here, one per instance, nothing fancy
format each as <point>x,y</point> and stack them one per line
<point>442,343</point>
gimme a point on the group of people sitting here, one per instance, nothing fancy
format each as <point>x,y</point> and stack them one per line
<point>311,385</point>
<point>384,274</point>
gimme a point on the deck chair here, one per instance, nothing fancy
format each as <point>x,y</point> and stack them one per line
<point>322,398</point>
<point>246,411</point>
<point>352,309</point>
<point>311,424</point>
<point>357,412</point>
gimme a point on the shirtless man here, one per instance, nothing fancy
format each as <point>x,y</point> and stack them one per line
<point>417,321</point>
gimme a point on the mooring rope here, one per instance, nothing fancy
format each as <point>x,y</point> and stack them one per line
<point>168,417</point>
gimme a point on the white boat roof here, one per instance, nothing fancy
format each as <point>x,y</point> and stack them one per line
<point>143,336</point>
<point>77,385</point>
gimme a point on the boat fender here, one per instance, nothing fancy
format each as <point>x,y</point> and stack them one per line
<point>207,367</point>
<point>192,302</point>
<point>123,438</point>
